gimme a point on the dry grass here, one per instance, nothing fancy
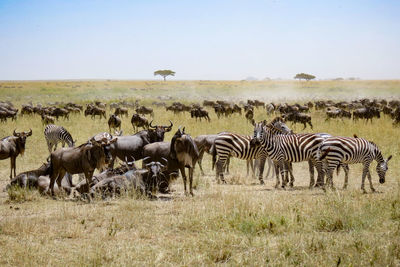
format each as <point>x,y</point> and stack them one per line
<point>241,223</point>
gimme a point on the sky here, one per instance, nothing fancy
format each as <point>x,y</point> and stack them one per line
<point>199,40</point>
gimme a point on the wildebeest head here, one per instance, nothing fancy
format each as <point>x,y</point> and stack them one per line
<point>21,140</point>
<point>155,176</point>
<point>157,132</point>
<point>382,168</point>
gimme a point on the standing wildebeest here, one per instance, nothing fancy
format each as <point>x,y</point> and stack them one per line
<point>46,119</point>
<point>60,112</point>
<point>12,146</point>
<point>114,122</point>
<point>181,152</point>
<point>199,113</point>
<point>139,121</point>
<point>132,146</point>
<point>82,159</point>
<point>366,113</point>
<point>145,110</point>
<point>250,116</point>
<point>121,111</point>
<point>296,117</point>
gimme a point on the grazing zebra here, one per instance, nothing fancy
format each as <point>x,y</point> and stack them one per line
<point>55,134</point>
<point>241,146</point>
<point>338,150</point>
<point>287,148</point>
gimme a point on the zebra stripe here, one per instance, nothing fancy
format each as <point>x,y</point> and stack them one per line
<point>348,150</point>
<point>55,134</point>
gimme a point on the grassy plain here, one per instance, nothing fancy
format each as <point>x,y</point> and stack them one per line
<point>241,223</point>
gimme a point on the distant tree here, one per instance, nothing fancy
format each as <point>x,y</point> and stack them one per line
<point>304,76</point>
<point>164,73</point>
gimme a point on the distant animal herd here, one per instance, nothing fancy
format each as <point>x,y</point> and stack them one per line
<point>270,142</point>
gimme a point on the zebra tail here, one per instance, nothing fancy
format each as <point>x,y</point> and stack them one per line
<point>323,155</point>
<point>338,170</point>
<point>214,156</point>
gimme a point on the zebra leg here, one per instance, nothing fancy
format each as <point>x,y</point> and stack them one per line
<point>270,164</point>
<point>311,170</point>
<point>346,175</point>
<point>219,170</point>
<point>370,182</point>
<point>261,166</point>
<point>284,173</point>
<point>365,172</point>
<point>320,172</point>
<point>290,168</point>
<point>276,166</point>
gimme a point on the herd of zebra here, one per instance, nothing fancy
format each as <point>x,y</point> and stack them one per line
<point>271,142</point>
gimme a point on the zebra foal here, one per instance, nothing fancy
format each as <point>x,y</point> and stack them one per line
<point>347,150</point>
<point>55,134</point>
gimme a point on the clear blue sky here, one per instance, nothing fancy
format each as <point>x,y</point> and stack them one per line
<point>199,39</point>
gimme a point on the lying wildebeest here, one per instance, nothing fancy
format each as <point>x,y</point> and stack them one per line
<point>296,117</point>
<point>82,159</point>
<point>12,146</point>
<point>30,178</point>
<point>139,121</point>
<point>132,146</point>
<point>121,111</point>
<point>43,184</point>
<point>181,152</point>
<point>144,181</point>
<point>114,122</point>
<point>145,110</point>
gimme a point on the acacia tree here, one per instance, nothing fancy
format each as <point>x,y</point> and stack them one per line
<point>304,76</point>
<point>164,73</point>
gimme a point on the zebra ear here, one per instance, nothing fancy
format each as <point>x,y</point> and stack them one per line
<point>389,158</point>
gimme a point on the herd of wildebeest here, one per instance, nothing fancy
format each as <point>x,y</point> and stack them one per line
<point>161,161</point>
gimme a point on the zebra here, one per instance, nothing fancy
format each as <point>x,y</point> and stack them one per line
<point>338,150</point>
<point>241,146</point>
<point>284,149</point>
<point>55,134</point>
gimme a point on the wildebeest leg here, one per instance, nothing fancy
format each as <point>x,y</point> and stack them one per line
<point>310,125</point>
<point>305,125</point>
<point>199,161</point>
<point>261,165</point>
<point>346,175</point>
<point>59,179</point>
<point>53,177</point>
<point>311,170</point>
<point>12,166</point>
<point>88,176</point>
<point>182,168</point>
<point>191,170</point>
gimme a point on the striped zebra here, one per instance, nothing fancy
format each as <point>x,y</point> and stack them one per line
<point>241,146</point>
<point>338,150</point>
<point>55,134</point>
<point>284,149</point>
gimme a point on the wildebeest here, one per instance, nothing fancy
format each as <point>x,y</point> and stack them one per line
<point>82,159</point>
<point>60,112</point>
<point>94,111</point>
<point>250,116</point>
<point>121,111</point>
<point>367,113</point>
<point>296,117</point>
<point>46,119</point>
<point>132,146</point>
<point>114,122</point>
<point>199,113</point>
<point>337,113</point>
<point>145,110</point>
<point>43,184</point>
<point>180,153</point>
<point>12,146</point>
<point>30,178</point>
<point>139,121</point>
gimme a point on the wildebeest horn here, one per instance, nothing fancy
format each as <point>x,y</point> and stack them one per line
<point>15,133</point>
<point>169,127</point>
<point>146,158</point>
<point>30,132</point>
<point>164,159</point>
<point>151,126</point>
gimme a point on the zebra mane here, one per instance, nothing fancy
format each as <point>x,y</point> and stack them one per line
<point>275,120</point>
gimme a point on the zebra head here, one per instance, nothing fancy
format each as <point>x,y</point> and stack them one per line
<point>258,136</point>
<point>280,126</point>
<point>382,168</point>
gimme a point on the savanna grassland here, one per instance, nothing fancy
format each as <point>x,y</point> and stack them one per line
<point>240,223</point>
